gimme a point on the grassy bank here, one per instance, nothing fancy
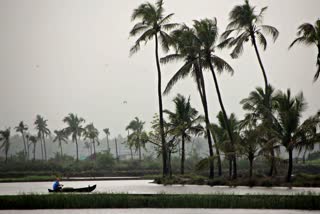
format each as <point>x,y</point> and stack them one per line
<point>300,180</point>
<point>71,201</point>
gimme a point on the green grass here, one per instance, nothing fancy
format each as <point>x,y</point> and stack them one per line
<point>73,201</point>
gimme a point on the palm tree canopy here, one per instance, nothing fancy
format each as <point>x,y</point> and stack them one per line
<point>106,131</point>
<point>91,132</point>
<point>60,136</point>
<point>21,127</point>
<point>41,125</point>
<point>74,127</point>
<point>309,34</point>
<point>245,23</point>
<point>136,125</point>
<point>152,22</point>
<point>5,138</point>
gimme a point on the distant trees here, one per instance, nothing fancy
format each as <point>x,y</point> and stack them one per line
<point>107,132</point>
<point>309,35</point>
<point>21,128</point>
<point>74,129</point>
<point>61,137</point>
<point>135,139</point>
<point>91,133</point>
<point>43,131</point>
<point>5,139</point>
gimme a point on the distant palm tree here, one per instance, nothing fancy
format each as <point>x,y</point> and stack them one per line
<point>289,128</point>
<point>74,128</point>
<point>61,137</point>
<point>246,24</point>
<point>5,138</point>
<point>21,128</point>
<point>188,49</point>
<point>107,132</point>
<point>309,34</point>
<point>90,132</point>
<point>153,25</point>
<point>43,131</point>
<point>134,139</point>
<point>33,140</point>
<point>183,123</point>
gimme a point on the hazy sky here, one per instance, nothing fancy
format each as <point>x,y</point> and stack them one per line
<point>62,56</point>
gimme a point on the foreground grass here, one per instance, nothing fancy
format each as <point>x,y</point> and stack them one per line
<point>73,201</point>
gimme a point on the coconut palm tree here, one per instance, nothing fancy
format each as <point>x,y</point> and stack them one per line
<point>74,128</point>
<point>21,128</point>
<point>43,131</point>
<point>261,106</point>
<point>90,132</point>
<point>309,34</point>
<point>290,130</point>
<point>5,138</point>
<point>207,33</point>
<point>154,24</point>
<point>183,123</point>
<point>61,137</point>
<point>107,132</point>
<point>135,139</point>
<point>188,49</point>
<point>246,25</point>
<point>33,139</point>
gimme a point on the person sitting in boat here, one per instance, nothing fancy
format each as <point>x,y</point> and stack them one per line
<point>56,185</point>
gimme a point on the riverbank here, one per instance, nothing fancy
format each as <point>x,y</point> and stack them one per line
<point>82,201</point>
<point>299,180</point>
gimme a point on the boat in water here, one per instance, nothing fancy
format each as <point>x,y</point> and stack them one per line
<point>70,189</point>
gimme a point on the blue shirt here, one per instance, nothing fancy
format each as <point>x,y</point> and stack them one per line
<point>56,185</point>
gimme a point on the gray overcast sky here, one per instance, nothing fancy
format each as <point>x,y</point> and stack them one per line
<point>61,56</point>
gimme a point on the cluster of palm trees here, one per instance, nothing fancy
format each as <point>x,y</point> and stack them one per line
<point>75,129</point>
<point>196,47</point>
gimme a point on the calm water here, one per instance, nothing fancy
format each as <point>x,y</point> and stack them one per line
<point>146,187</point>
<point>159,211</point>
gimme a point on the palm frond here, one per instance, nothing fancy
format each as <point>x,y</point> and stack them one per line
<point>270,30</point>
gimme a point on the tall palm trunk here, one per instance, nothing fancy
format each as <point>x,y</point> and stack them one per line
<point>94,149</point>
<point>163,140</point>
<point>34,151</point>
<point>44,147</point>
<point>290,165</point>
<point>230,167</point>
<point>42,157</point>
<point>251,158</point>
<point>115,141</point>
<point>6,160</point>
<point>253,39</point>
<point>60,148</point>
<point>25,146</point>
<point>182,154</point>
<point>76,141</point>
<point>108,143</point>
<point>207,121</point>
<point>272,164</point>
<point>218,156</point>
<point>225,116</point>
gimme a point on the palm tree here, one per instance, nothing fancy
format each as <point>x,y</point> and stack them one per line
<point>291,132</point>
<point>188,49</point>
<point>153,24</point>
<point>33,139</point>
<point>207,33</point>
<point>61,137</point>
<point>261,105</point>
<point>309,34</point>
<point>90,132</point>
<point>21,128</point>
<point>107,132</point>
<point>183,122</point>
<point>5,138</point>
<point>43,131</point>
<point>245,23</point>
<point>134,139</point>
<point>74,128</point>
